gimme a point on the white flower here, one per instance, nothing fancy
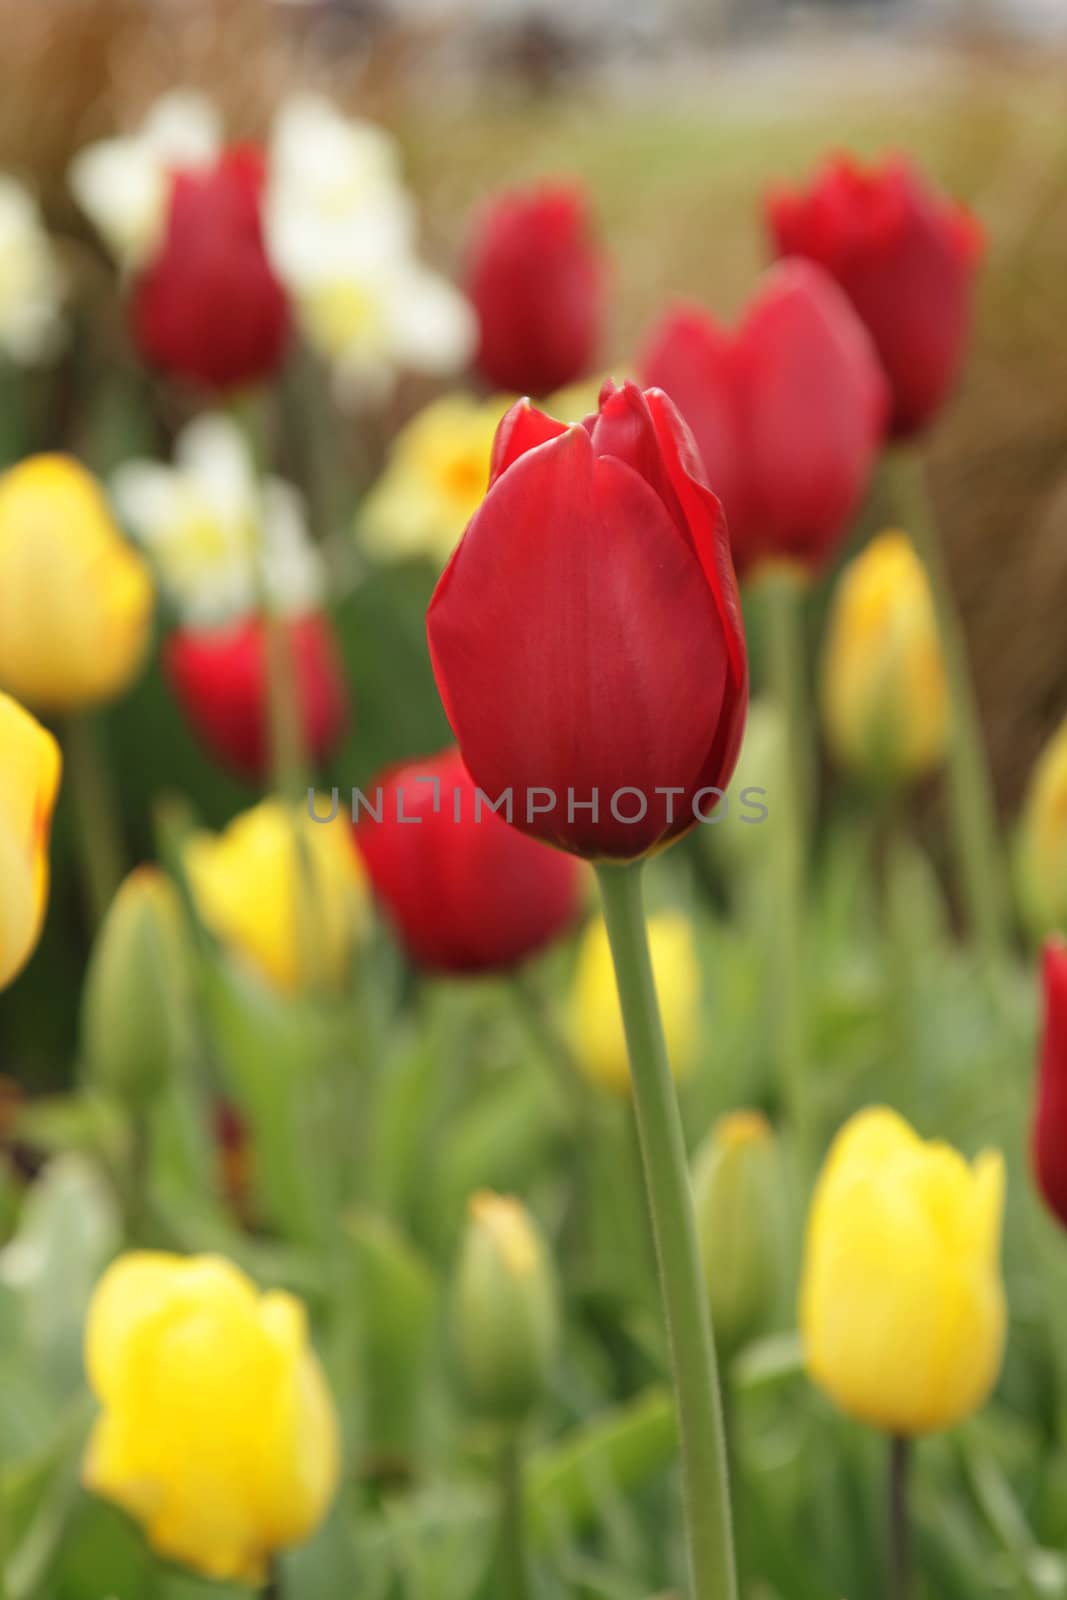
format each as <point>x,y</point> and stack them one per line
<point>31,283</point>
<point>122,183</point>
<point>218,537</point>
<point>341,231</point>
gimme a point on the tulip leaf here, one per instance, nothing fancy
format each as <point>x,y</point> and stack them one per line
<point>625,1447</point>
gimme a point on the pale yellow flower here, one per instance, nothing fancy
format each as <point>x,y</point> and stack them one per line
<point>902,1307</point>
<point>29,779</point>
<point>1043,839</point>
<point>217,1432</point>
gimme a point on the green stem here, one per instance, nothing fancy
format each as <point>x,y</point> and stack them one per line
<point>99,840</point>
<point>970,789</point>
<point>513,1560</point>
<point>900,1552</point>
<point>696,1379</point>
<point>786,667</point>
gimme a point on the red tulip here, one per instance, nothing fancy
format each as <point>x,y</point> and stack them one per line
<point>209,307</point>
<point>220,679</point>
<point>787,412</point>
<point>1049,1142</point>
<point>586,635</point>
<point>536,280</point>
<point>906,258</point>
<point>465,892</point>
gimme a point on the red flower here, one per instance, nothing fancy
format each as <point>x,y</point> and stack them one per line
<point>1049,1141</point>
<point>905,257</point>
<point>586,635</point>
<point>465,892</point>
<point>535,279</point>
<point>209,307</point>
<point>220,679</point>
<point>787,412</point>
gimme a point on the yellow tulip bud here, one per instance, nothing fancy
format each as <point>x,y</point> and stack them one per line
<point>29,779</point>
<point>505,1312</point>
<point>75,599</point>
<point>1043,839</point>
<point>596,1020</point>
<point>884,695</point>
<point>135,1009</point>
<point>902,1307</point>
<point>217,1432</point>
<point>737,1195</point>
<point>286,894</point>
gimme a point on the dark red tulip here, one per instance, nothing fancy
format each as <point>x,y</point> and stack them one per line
<point>220,679</point>
<point>586,635</point>
<point>905,256</point>
<point>536,280</point>
<point>208,307</point>
<point>788,412</point>
<point>1049,1142</point>
<point>465,892</point>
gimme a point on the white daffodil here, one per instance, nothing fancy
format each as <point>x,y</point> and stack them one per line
<point>341,230</point>
<point>218,538</point>
<point>122,183</point>
<point>31,282</point>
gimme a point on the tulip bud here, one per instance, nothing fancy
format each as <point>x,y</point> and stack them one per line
<point>220,678</point>
<point>208,307</point>
<point>217,1432</point>
<point>897,248</point>
<point>1049,1135</point>
<point>597,1032</point>
<point>737,1194</point>
<point>135,1007</point>
<point>536,280</point>
<point>285,894</point>
<point>30,763</point>
<point>75,599</point>
<point>1042,855</point>
<point>505,1315</point>
<point>902,1306</point>
<point>884,693</point>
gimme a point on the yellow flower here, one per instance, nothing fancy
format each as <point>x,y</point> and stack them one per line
<point>217,1431</point>
<point>29,779</point>
<point>884,698</point>
<point>596,1021</point>
<point>1043,839</point>
<point>902,1307</point>
<point>436,478</point>
<point>287,894</point>
<point>75,599</point>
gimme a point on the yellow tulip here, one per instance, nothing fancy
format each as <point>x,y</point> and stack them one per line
<point>884,695</point>
<point>596,1021</point>
<point>286,894</point>
<point>75,599</point>
<point>217,1432</point>
<point>1043,839</point>
<point>902,1307</point>
<point>29,780</point>
<point>436,478</point>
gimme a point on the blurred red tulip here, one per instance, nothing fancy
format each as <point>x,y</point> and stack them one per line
<point>465,892</point>
<point>906,258</point>
<point>1049,1139</point>
<point>787,412</point>
<point>208,307</point>
<point>586,635</point>
<point>220,679</point>
<point>536,281</point>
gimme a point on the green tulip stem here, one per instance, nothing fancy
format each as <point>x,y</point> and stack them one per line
<point>900,1550</point>
<point>513,1558</point>
<point>96,815</point>
<point>685,1299</point>
<point>786,671</point>
<point>974,832</point>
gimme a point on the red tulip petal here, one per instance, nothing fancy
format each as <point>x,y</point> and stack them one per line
<point>523,427</point>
